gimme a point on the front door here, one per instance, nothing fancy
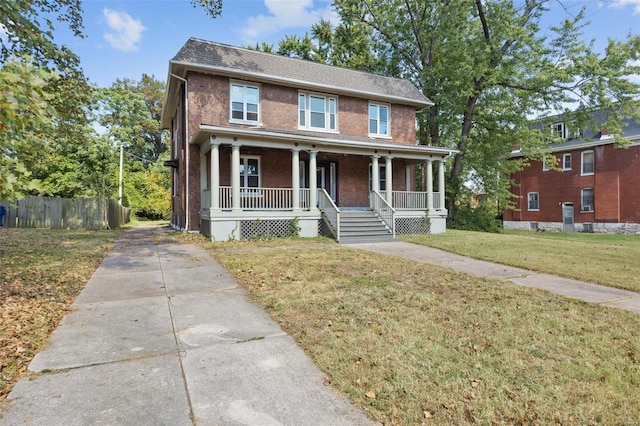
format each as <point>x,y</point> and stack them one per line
<point>327,179</point>
<point>567,217</point>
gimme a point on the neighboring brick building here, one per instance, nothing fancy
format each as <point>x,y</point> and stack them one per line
<point>261,142</point>
<point>597,188</point>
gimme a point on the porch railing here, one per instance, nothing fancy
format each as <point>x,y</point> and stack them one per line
<point>412,200</point>
<point>277,199</point>
<point>330,212</point>
<point>384,211</point>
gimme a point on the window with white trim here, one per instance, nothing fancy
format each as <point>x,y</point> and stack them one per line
<point>245,103</point>
<point>249,172</point>
<point>586,200</point>
<point>533,201</point>
<point>566,161</point>
<point>559,130</point>
<point>317,112</point>
<point>588,166</point>
<point>575,132</point>
<point>378,120</point>
<point>545,166</point>
<point>382,177</point>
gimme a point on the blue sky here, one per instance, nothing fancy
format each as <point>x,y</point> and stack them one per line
<point>128,38</point>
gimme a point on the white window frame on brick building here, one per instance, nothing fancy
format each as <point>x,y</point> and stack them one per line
<point>587,167</point>
<point>566,161</point>
<point>533,201</point>
<point>310,115</point>
<point>379,120</point>
<point>246,182</point>
<point>244,102</point>
<point>559,130</point>
<point>587,200</point>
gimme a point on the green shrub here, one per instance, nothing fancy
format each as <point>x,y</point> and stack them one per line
<point>483,218</point>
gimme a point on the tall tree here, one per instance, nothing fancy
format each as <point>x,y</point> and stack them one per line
<point>44,92</point>
<point>489,68</point>
<point>345,45</point>
<point>26,37</point>
<point>130,111</point>
<point>47,103</point>
<point>25,114</point>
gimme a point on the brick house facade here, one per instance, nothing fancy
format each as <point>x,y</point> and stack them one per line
<point>594,187</point>
<point>260,141</point>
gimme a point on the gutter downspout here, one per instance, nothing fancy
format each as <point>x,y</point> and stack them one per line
<point>186,142</point>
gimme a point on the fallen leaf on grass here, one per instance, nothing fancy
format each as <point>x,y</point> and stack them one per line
<point>370,395</point>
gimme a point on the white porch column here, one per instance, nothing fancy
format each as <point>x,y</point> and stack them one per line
<point>235,177</point>
<point>215,175</point>
<point>441,183</point>
<point>295,178</point>
<point>203,174</point>
<point>313,179</point>
<point>407,177</point>
<point>389,179</point>
<point>429,184</point>
<point>375,173</point>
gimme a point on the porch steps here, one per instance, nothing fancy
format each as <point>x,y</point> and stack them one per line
<point>362,226</point>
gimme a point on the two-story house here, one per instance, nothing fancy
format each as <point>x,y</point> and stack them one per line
<point>593,187</point>
<point>263,144</point>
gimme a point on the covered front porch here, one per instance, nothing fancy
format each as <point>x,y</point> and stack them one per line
<point>254,183</point>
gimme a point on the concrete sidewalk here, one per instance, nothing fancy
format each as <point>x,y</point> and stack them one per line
<point>162,335</point>
<point>588,292</point>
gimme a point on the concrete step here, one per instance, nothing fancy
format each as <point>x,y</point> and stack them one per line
<point>362,226</point>
<point>368,239</point>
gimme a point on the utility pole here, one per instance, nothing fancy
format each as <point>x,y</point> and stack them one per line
<point>120,181</point>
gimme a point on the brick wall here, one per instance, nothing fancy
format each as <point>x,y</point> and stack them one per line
<point>616,185</point>
<point>209,104</point>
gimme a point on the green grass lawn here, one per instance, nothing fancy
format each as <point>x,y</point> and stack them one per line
<point>607,259</point>
<point>413,343</point>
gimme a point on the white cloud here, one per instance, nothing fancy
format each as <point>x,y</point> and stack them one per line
<point>123,33</point>
<point>620,4</point>
<point>283,15</point>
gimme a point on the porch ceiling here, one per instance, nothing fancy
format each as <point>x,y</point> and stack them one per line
<point>265,138</point>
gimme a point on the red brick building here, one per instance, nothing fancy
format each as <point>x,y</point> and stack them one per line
<point>596,189</point>
<point>262,142</point>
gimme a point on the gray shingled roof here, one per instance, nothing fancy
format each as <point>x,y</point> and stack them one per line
<point>590,136</point>
<point>261,66</point>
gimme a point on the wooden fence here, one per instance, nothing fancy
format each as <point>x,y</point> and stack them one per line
<point>79,213</point>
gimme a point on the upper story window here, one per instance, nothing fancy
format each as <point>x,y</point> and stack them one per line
<point>588,166</point>
<point>245,102</point>
<point>545,166</point>
<point>566,162</point>
<point>378,120</point>
<point>533,201</point>
<point>317,112</point>
<point>575,132</point>
<point>559,130</point>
